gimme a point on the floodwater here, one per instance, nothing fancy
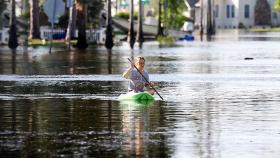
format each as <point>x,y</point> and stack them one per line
<point>221,100</point>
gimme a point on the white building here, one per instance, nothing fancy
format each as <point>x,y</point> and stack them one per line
<point>230,14</point>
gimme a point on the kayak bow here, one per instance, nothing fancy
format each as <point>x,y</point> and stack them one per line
<point>136,96</point>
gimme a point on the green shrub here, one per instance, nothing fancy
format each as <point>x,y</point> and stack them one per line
<point>125,15</point>
<point>166,40</point>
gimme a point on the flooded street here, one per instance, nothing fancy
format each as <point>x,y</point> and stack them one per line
<point>221,100</point>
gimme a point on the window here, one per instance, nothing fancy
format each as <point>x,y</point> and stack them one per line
<point>232,11</point>
<point>274,15</point>
<point>228,11</point>
<point>217,11</point>
<point>247,11</point>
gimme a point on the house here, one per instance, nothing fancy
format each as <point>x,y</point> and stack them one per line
<point>191,5</point>
<point>231,14</point>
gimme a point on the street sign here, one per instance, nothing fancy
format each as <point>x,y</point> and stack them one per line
<point>54,9</point>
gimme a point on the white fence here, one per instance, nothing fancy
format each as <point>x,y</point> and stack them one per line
<point>4,36</point>
<point>95,36</point>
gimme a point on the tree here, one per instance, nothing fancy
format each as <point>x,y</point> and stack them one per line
<point>94,9</point>
<point>109,30</point>
<point>209,24</point>
<point>175,15</point>
<point>86,10</point>
<point>34,32</point>
<point>159,29</point>
<point>262,13</point>
<point>81,23</point>
<point>131,37</point>
<point>165,6</point>
<point>277,5</point>
<point>2,8</point>
<point>13,42</point>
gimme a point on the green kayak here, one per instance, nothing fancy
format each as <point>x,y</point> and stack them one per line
<point>136,96</point>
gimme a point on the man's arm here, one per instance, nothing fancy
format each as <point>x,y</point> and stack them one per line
<point>127,72</point>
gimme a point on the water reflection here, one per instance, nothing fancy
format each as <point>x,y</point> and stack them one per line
<point>216,104</point>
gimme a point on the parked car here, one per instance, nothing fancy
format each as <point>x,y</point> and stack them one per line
<point>188,27</point>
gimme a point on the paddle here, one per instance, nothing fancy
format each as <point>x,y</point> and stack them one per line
<point>145,79</point>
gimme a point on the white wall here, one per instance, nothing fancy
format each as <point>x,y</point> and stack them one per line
<point>222,21</point>
<point>248,22</point>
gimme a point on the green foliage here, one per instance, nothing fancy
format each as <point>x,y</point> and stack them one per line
<point>166,40</point>
<point>63,20</point>
<point>277,5</point>
<point>175,15</point>
<point>94,10</point>
<point>178,21</point>
<point>3,6</point>
<point>175,10</point>
<point>125,15</point>
<point>26,15</point>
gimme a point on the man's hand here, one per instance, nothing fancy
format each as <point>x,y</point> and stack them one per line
<point>132,64</point>
<point>150,85</point>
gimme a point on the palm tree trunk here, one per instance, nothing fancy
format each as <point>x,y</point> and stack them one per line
<point>139,36</point>
<point>159,31</point>
<point>13,42</point>
<point>34,32</point>
<point>201,20</point>
<point>209,19</point>
<point>81,21</point>
<point>130,37</point>
<point>109,30</point>
<point>165,18</point>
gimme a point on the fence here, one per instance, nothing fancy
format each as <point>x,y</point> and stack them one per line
<point>94,36</point>
<point>4,36</point>
<point>46,33</point>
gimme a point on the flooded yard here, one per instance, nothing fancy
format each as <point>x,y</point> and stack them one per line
<point>221,99</point>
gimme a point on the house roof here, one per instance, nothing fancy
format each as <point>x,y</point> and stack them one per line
<point>191,3</point>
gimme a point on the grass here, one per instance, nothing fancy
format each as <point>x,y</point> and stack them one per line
<point>166,40</point>
<point>39,42</point>
<point>268,29</point>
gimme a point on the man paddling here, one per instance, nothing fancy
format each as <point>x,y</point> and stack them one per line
<point>137,82</point>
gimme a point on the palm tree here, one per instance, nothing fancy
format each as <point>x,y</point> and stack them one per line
<point>81,22</point>
<point>209,19</point>
<point>130,37</point>
<point>201,20</point>
<point>13,42</point>
<point>34,32</point>
<point>159,30</point>
<point>139,35</point>
<point>2,8</point>
<point>165,18</point>
<point>109,37</point>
